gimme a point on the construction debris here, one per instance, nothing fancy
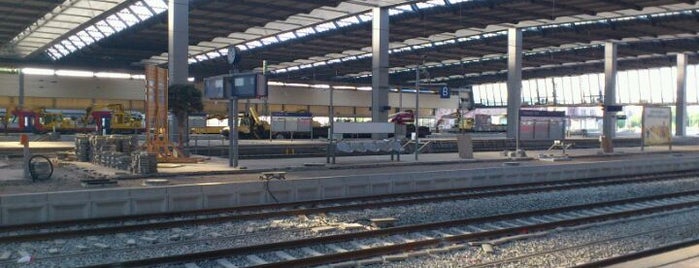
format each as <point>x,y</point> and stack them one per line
<point>115,151</point>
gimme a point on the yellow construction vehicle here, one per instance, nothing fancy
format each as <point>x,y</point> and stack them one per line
<point>111,118</point>
<point>249,126</point>
<point>56,121</point>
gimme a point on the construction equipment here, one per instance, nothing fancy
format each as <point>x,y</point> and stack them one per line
<point>249,126</point>
<point>402,118</point>
<point>111,118</point>
<point>27,120</point>
<point>57,122</point>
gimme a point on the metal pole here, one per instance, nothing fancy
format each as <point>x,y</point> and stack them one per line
<point>234,133</point>
<point>417,110</point>
<point>20,98</point>
<point>400,99</point>
<point>331,130</point>
<point>517,132</point>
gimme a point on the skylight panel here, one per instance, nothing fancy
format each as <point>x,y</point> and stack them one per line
<point>76,42</point>
<point>103,27</point>
<point>325,27</point>
<point>286,36</point>
<point>305,31</point>
<point>127,17</point>
<point>115,22</point>
<point>159,6</point>
<point>445,42</point>
<point>213,54</point>
<point>365,17</point>
<point>399,9</point>
<point>350,58</point>
<point>253,44</point>
<point>85,37</point>
<point>141,11</point>
<point>94,32</point>
<point>61,49</point>
<point>269,40</point>
<point>53,54</point>
<point>348,21</point>
<point>69,46</point>
<point>430,4</point>
<point>458,1</point>
<point>201,57</point>
<point>280,71</point>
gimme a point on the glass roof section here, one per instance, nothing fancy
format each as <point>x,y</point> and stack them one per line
<point>59,21</point>
<point>422,43</point>
<point>117,22</point>
<point>361,13</point>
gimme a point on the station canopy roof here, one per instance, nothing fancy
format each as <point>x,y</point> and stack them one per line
<point>329,41</point>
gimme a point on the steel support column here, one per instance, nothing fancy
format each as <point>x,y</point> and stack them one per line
<point>514,80</point>
<point>20,100</point>
<point>681,102</point>
<point>609,118</point>
<point>379,65</point>
<point>178,41</point>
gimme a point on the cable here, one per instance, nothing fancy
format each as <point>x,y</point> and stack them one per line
<point>32,168</point>
<point>270,192</point>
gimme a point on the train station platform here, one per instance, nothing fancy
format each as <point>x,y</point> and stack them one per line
<point>214,184</point>
<point>217,169</point>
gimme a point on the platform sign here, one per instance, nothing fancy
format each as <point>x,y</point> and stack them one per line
<point>248,85</point>
<point>656,122</point>
<point>444,93</point>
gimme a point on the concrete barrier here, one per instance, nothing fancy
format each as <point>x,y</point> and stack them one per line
<point>110,203</point>
<point>83,204</point>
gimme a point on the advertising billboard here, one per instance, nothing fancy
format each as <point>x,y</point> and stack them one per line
<point>656,123</point>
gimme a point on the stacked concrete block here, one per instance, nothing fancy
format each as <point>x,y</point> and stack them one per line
<point>144,163</point>
<point>82,147</point>
<point>115,151</point>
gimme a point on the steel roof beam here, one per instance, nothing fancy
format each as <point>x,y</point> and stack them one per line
<point>564,6</point>
<point>624,4</point>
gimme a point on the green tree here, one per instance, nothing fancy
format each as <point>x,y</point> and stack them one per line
<point>182,100</point>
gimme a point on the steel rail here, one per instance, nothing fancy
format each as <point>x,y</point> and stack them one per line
<point>365,253</point>
<point>442,196</point>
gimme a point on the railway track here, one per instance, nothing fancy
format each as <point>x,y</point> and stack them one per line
<point>68,229</point>
<point>403,242</point>
<point>179,241</point>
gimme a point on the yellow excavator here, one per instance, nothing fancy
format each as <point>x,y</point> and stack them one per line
<point>249,126</point>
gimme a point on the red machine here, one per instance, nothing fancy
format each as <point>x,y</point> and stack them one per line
<point>27,120</point>
<point>402,118</point>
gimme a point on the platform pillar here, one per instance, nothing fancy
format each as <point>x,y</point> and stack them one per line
<point>379,67</point>
<point>178,41</point>
<point>681,102</point>
<point>610,61</point>
<point>514,80</point>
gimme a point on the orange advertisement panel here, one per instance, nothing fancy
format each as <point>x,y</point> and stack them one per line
<point>656,123</point>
